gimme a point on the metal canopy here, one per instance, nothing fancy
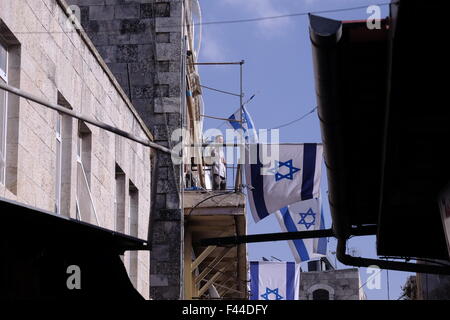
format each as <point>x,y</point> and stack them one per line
<point>28,221</point>
<point>38,247</point>
<point>384,123</point>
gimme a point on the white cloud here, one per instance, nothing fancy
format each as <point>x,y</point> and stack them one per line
<point>262,8</point>
<point>211,49</point>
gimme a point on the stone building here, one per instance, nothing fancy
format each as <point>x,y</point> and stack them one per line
<point>342,284</point>
<point>53,162</point>
<point>432,287</point>
<point>149,45</point>
<point>132,65</point>
<point>141,42</point>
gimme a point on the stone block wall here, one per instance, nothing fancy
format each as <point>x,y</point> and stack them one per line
<point>56,61</point>
<point>341,284</point>
<point>141,42</point>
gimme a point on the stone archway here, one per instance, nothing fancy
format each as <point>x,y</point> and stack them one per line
<point>313,290</point>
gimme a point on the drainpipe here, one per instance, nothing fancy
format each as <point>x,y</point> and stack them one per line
<point>344,258</point>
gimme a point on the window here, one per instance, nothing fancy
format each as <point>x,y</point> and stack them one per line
<point>10,53</point>
<point>3,62</point>
<point>133,216</point>
<point>119,203</point>
<point>3,110</point>
<point>84,149</point>
<point>85,202</point>
<point>58,163</point>
<point>320,291</point>
<point>321,294</point>
<point>63,135</point>
<point>133,213</point>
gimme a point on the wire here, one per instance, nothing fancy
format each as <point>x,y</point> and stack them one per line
<point>214,195</point>
<point>370,278</point>
<point>293,14</point>
<point>296,120</point>
<point>221,91</point>
<point>242,20</point>
<point>244,104</point>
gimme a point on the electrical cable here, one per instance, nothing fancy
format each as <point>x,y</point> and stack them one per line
<point>221,91</point>
<point>210,197</point>
<point>295,120</point>
<point>295,14</point>
<point>245,103</point>
<point>246,20</point>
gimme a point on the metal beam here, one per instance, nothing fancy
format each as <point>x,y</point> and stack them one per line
<point>281,236</point>
<point>219,118</point>
<point>221,91</point>
<point>346,259</point>
<point>215,63</point>
<point>87,119</point>
<point>266,237</point>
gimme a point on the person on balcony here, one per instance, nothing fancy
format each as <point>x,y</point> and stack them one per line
<point>219,168</point>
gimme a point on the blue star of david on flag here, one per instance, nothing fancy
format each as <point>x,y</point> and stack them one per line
<point>274,280</point>
<point>265,295</point>
<point>279,164</point>
<point>308,223</point>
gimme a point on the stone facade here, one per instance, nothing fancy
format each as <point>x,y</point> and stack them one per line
<point>51,60</point>
<point>433,286</point>
<point>141,41</point>
<point>343,284</point>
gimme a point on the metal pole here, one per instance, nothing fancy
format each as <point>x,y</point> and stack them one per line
<point>87,119</point>
<point>214,63</point>
<point>387,280</point>
<point>267,237</point>
<point>346,259</point>
<point>241,100</point>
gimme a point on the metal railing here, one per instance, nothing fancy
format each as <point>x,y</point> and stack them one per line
<point>233,171</point>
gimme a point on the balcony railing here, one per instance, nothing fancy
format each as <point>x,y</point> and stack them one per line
<point>194,170</point>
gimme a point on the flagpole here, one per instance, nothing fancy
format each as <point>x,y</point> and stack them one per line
<point>238,186</point>
<point>387,280</point>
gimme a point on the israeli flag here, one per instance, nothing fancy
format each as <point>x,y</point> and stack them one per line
<point>272,280</point>
<point>294,176</point>
<point>247,126</point>
<point>304,216</point>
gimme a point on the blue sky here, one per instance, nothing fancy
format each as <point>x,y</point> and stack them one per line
<point>278,69</point>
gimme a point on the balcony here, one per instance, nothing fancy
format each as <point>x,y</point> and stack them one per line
<point>207,215</point>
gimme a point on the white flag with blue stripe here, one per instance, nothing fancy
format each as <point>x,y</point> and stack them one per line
<point>272,280</point>
<point>247,126</point>
<point>294,176</point>
<point>304,216</point>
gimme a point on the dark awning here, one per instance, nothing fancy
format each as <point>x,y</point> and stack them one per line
<point>38,247</point>
<point>385,125</point>
<point>351,72</point>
